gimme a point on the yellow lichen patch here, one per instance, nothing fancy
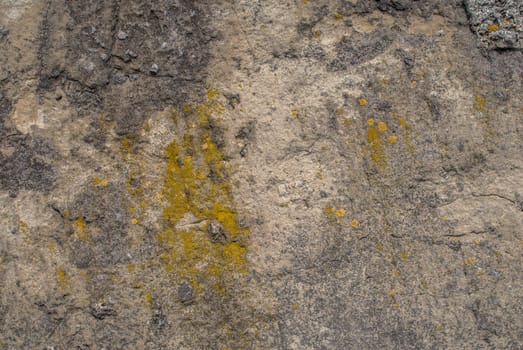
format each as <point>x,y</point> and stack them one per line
<point>346,121</point>
<point>338,15</point>
<point>80,228</point>
<point>100,182</point>
<point>295,113</point>
<point>493,27</point>
<point>148,298</point>
<point>196,185</point>
<point>333,213</point>
<point>469,261</point>
<point>392,292</point>
<point>135,221</point>
<point>317,33</point>
<point>479,103</point>
<point>404,255</point>
<point>382,126</point>
<point>63,278</point>
<point>521,242</point>
<point>407,130</point>
<point>340,111</point>
<point>355,223</point>
<point>377,154</point>
<point>370,122</point>
<point>362,102</point>
<point>379,247</point>
<point>392,139</point>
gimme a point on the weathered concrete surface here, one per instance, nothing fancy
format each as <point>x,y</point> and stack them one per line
<point>261,174</point>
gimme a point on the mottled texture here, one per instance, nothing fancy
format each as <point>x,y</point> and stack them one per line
<point>335,174</point>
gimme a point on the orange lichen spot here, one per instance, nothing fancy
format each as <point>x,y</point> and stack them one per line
<point>404,255</point>
<point>100,182</point>
<point>355,223</point>
<point>393,292</point>
<point>339,15</point>
<point>469,261</point>
<point>392,139</point>
<point>362,102</point>
<point>317,33</point>
<point>382,126</point>
<point>493,27</point>
<point>370,122</point>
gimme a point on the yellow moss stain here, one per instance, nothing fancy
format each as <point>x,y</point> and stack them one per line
<point>196,184</point>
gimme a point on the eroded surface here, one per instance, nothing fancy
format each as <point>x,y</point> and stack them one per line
<point>260,175</point>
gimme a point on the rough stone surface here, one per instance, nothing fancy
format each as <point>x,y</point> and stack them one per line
<point>336,174</point>
<point>498,24</point>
